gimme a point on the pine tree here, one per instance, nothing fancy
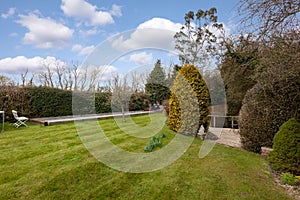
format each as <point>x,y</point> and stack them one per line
<point>156,85</point>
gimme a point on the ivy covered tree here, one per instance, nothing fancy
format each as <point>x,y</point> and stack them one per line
<point>157,86</point>
<point>189,102</point>
<point>275,97</point>
<point>238,68</point>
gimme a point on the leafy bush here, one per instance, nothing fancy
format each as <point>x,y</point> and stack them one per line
<point>286,148</point>
<point>13,98</point>
<point>288,178</point>
<point>102,102</point>
<point>189,101</point>
<point>154,142</point>
<point>266,107</point>
<point>139,101</point>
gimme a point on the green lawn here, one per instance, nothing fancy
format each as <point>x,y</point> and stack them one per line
<point>52,163</point>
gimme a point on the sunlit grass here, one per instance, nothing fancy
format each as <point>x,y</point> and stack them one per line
<point>52,163</point>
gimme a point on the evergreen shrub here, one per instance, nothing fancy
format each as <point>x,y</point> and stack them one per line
<point>266,107</point>
<point>286,148</point>
<point>189,102</point>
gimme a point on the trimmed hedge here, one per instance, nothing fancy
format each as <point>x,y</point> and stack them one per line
<point>102,102</point>
<point>285,156</point>
<point>189,102</point>
<point>45,102</point>
<point>50,102</point>
<point>13,98</point>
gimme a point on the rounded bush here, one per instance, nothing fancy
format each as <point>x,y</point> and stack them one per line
<point>286,148</point>
<point>288,178</point>
<point>189,102</point>
<point>266,107</point>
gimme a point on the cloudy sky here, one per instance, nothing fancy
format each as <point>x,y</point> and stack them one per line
<point>120,31</point>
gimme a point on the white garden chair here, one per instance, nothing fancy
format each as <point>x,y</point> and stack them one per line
<point>20,120</point>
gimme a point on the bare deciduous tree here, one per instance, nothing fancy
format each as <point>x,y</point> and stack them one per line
<point>5,81</point>
<point>267,16</point>
<point>121,93</point>
<point>60,70</point>
<point>46,77</point>
<point>23,77</point>
<point>75,74</point>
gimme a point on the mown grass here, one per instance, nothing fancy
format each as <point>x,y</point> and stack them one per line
<point>52,163</point>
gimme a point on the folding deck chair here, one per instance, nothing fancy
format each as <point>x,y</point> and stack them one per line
<point>20,120</point>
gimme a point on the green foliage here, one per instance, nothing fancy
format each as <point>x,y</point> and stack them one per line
<point>46,102</point>
<point>50,102</point>
<point>237,71</point>
<point>266,107</point>
<point>154,142</point>
<point>103,102</point>
<point>156,85</point>
<point>139,101</point>
<point>13,98</point>
<point>189,102</point>
<point>288,178</point>
<point>286,148</point>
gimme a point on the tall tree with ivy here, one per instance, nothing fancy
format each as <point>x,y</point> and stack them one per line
<point>238,70</point>
<point>199,38</point>
<point>156,85</point>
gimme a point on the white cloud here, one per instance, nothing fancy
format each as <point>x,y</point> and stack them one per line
<point>10,13</point>
<point>84,10</point>
<point>116,10</point>
<point>154,33</point>
<point>44,32</point>
<point>20,64</point>
<point>13,34</point>
<point>90,32</point>
<point>83,50</point>
<point>141,58</point>
<point>160,23</point>
<point>108,72</point>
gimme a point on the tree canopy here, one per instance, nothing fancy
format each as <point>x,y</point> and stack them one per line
<point>198,37</point>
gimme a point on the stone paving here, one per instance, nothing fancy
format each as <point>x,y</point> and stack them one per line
<point>230,137</point>
<point>225,136</point>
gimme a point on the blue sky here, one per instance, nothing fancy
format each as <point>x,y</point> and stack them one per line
<point>66,31</point>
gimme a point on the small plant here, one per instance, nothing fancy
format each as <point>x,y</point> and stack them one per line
<point>288,178</point>
<point>285,156</point>
<point>154,142</point>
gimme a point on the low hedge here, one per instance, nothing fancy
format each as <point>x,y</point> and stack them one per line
<point>50,102</point>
